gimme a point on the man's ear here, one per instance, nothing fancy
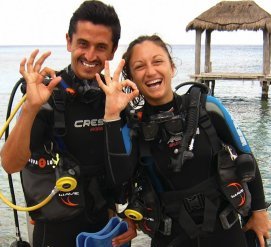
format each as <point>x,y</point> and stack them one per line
<point>69,42</point>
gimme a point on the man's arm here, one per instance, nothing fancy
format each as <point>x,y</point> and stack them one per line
<point>16,151</point>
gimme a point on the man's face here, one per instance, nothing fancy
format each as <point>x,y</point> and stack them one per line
<point>90,46</point>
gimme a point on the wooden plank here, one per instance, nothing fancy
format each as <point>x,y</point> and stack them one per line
<point>231,76</point>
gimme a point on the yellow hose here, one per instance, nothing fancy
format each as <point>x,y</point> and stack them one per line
<point>32,208</point>
<point>2,197</point>
<point>17,107</point>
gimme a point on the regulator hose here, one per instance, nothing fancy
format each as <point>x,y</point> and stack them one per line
<point>32,208</point>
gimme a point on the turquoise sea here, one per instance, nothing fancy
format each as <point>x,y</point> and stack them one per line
<point>242,98</point>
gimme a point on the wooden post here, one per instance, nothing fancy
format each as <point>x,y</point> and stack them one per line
<point>265,88</point>
<point>266,63</point>
<point>266,52</point>
<point>208,66</point>
<point>198,51</point>
<point>269,49</point>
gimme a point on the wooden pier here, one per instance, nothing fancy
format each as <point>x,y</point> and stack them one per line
<point>232,16</point>
<point>210,78</point>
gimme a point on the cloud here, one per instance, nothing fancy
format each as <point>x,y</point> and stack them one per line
<point>33,22</point>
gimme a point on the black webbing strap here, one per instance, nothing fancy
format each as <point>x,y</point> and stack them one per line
<point>174,204</point>
<point>59,110</point>
<point>204,120</point>
<point>206,124</point>
<point>146,160</point>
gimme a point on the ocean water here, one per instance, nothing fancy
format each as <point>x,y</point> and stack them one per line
<point>242,98</point>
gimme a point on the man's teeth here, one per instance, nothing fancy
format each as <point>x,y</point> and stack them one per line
<point>88,65</point>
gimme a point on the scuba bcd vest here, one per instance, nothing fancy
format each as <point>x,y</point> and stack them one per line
<point>42,173</point>
<point>229,183</point>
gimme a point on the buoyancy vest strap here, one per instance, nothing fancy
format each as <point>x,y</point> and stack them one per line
<point>204,120</point>
<point>187,223</point>
<point>210,214</point>
<point>206,124</point>
<point>209,219</point>
<point>147,161</point>
<point>59,109</point>
<point>174,203</point>
<point>191,128</point>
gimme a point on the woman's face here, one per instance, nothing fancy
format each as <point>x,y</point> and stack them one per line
<point>152,71</point>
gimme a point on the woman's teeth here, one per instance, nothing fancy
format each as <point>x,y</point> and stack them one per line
<point>154,83</point>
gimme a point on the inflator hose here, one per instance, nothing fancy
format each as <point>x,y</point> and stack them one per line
<point>192,124</point>
<point>2,197</point>
<point>32,208</point>
<point>17,107</point>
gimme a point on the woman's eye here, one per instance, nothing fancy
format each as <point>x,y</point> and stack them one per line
<point>158,62</point>
<point>138,67</point>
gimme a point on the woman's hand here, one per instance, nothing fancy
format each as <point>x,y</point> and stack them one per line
<point>37,92</point>
<point>259,222</point>
<point>116,98</point>
<point>127,236</point>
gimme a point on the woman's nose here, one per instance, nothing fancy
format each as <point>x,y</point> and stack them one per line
<point>150,70</point>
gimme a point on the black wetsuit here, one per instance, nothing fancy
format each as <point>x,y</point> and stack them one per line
<point>201,167</point>
<point>84,140</point>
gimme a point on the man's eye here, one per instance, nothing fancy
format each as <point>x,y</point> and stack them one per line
<point>102,47</point>
<point>82,43</point>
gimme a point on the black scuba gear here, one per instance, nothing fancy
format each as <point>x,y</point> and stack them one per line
<point>206,197</point>
<point>87,90</point>
<point>45,170</point>
<point>162,124</point>
<point>185,151</point>
<point>64,120</point>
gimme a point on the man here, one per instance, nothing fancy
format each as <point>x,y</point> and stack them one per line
<point>70,126</point>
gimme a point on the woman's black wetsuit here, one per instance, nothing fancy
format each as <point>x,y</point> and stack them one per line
<point>203,166</point>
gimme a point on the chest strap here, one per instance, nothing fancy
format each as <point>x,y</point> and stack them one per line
<point>206,124</point>
<point>58,98</point>
<point>203,199</point>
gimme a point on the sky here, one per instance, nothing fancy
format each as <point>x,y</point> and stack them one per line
<point>37,22</point>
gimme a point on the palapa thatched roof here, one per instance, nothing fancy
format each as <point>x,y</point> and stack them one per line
<point>231,16</point>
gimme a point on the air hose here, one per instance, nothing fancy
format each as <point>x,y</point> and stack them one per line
<point>61,184</point>
<point>185,150</point>
<point>32,208</point>
<point>6,124</point>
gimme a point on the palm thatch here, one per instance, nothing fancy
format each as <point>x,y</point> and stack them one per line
<point>232,16</point>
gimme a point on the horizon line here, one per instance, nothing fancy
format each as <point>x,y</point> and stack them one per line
<point>8,45</point>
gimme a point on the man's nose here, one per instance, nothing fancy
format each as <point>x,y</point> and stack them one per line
<point>90,53</point>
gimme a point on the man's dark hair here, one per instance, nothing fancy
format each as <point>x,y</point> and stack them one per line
<point>97,13</point>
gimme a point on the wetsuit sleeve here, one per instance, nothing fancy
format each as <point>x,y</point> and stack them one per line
<point>230,133</point>
<point>257,192</point>
<point>120,151</point>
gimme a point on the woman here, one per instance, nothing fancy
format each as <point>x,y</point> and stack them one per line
<point>191,197</point>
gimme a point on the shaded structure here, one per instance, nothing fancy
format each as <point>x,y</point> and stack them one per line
<point>231,16</point>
